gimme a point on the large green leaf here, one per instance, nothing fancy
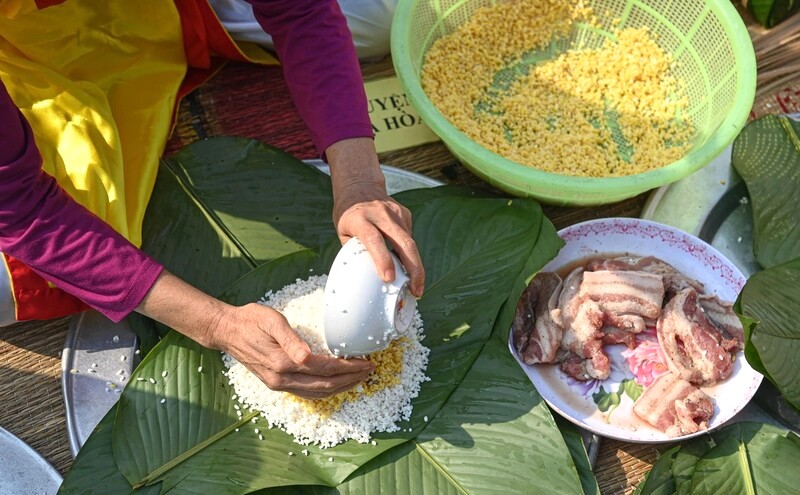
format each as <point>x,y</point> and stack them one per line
<point>743,458</point>
<point>769,307</point>
<point>659,480</point>
<point>480,407</point>
<point>577,448</point>
<point>94,471</point>
<point>485,422</point>
<point>226,205</point>
<point>223,206</point>
<point>767,156</point>
<point>492,426</point>
<point>685,462</point>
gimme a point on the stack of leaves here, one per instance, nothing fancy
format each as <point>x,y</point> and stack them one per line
<point>767,156</point>
<point>740,458</point>
<point>229,208</point>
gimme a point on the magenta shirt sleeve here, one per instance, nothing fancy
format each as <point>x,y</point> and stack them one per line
<point>42,226</point>
<point>320,66</point>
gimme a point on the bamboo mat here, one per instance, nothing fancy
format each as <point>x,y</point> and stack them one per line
<point>251,101</point>
<point>31,404</point>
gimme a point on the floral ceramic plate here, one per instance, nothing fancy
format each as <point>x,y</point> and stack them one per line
<point>606,407</point>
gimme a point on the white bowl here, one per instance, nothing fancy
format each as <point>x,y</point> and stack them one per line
<point>691,256</point>
<point>362,314</point>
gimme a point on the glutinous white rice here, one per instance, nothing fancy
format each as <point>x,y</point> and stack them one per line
<point>301,304</point>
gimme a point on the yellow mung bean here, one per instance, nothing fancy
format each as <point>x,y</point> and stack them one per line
<point>611,110</point>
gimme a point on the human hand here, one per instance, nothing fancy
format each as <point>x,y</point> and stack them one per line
<point>257,336</point>
<point>263,341</point>
<point>363,209</point>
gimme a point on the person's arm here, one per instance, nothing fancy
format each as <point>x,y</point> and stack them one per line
<point>322,72</point>
<point>364,210</point>
<point>320,66</point>
<point>42,226</point>
<point>257,336</point>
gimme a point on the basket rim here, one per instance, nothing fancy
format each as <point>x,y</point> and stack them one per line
<point>601,187</point>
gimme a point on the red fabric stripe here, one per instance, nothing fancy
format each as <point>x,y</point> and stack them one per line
<point>206,44</point>
<point>35,298</point>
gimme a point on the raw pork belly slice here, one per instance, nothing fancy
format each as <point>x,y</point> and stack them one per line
<point>581,318</point>
<point>626,298</point>
<point>583,339</point>
<point>537,336</point>
<point>674,406</point>
<point>722,316</point>
<point>614,335</point>
<point>579,368</point>
<point>584,329</point>
<point>568,300</point>
<point>694,348</point>
<point>674,281</point>
<point>624,292</point>
<point>625,323</point>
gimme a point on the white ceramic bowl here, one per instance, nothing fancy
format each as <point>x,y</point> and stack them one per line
<point>362,314</point>
<point>575,400</point>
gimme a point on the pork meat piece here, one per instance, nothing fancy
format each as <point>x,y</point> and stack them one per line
<point>581,318</point>
<point>628,323</point>
<point>674,406</point>
<point>597,367</point>
<point>674,281</point>
<point>537,336</point>
<point>621,292</point>
<point>722,316</point>
<point>583,339</point>
<point>614,335</point>
<point>568,300</point>
<point>694,348</point>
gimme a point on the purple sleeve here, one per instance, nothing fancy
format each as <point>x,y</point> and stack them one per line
<point>42,226</point>
<point>320,66</point>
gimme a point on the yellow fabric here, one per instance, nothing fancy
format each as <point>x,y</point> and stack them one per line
<point>255,53</point>
<point>97,80</point>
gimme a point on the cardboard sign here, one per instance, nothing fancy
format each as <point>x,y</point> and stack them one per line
<point>395,122</point>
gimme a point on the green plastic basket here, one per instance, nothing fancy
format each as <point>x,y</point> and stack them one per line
<point>707,39</point>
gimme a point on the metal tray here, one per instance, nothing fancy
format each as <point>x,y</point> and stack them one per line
<point>713,204</point>
<point>23,469</point>
<point>98,358</point>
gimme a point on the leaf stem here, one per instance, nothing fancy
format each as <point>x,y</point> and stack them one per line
<point>161,470</point>
<point>437,466</point>
<point>748,477</point>
<point>787,127</point>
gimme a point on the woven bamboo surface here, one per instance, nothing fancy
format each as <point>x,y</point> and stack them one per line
<point>251,101</point>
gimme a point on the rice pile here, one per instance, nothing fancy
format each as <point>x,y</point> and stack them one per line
<point>612,110</point>
<point>374,406</point>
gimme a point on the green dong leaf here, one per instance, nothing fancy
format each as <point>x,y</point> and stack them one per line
<point>742,458</point>
<point>767,156</point>
<point>769,307</point>
<point>486,424</point>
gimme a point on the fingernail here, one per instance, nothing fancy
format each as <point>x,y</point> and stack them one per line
<point>388,275</point>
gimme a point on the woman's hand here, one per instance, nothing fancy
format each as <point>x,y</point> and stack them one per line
<point>257,336</point>
<point>261,339</point>
<point>362,209</point>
